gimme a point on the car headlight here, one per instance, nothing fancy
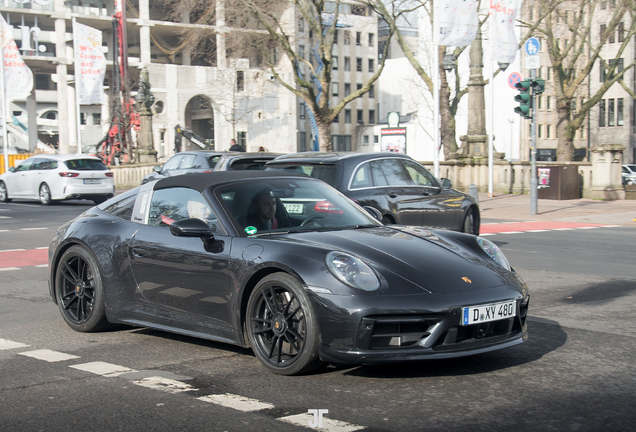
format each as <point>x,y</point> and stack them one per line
<point>493,252</point>
<point>352,271</point>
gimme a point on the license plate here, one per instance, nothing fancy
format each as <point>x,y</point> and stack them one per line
<point>92,181</point>
<point>295,208</point>
<point>486,313</point>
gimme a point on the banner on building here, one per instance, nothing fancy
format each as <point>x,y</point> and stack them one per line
<point>503,16</point>
<point>18,78</point>
<point>457,22</point>
<point>90,64</point>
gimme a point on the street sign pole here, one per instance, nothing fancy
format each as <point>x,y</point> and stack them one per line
<point>533,152</point>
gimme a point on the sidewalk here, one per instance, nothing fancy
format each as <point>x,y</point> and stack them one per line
<point>512,207</point>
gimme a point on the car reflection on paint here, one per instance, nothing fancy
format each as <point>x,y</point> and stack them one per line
<point>333,285</point>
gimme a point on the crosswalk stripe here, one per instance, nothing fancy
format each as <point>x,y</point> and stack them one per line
<point>236,402</point>
<point>7,344</point>
<point>102,368</point>
<point>327,424</point>
<point>49,355</point>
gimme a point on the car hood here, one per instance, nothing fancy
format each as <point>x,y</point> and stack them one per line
<point>415,260</point>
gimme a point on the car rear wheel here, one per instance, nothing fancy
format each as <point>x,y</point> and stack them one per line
<point>282,326</point>
<point>79,290</point>
<point>469,222</point>
<point>4,195</point>
<point>45,194</point>
<point>387,220</point>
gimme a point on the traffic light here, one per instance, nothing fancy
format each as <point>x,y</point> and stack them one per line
<point>523,98</point>
<point>538,85</point>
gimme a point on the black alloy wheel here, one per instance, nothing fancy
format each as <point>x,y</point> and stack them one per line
<point>4,195</point>
<point>469,222</point>
<point>80,295</point>
<point>282,327</point>
<point>45,194</point>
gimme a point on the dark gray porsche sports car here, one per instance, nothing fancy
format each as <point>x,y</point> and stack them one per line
<point>286,265</point>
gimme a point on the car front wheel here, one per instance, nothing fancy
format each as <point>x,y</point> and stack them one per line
<point>469,222</point>
<point>282,326</point>
<point>79,290</point>
<point>4,195</point>
<point>45,194</point>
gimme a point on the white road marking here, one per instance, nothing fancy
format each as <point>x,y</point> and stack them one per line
<point>487,234</point>
<point>41,265</point>
<point>12,250</point>
<point>49,355</point>
<point>236,402</point>
<point>43,247</point>
<point>6,217</point>
<point>4,230</point>
<point>587,227</point>
<point>537,230</point>
<point>102,368</point>
<point>327,423</point>
<point>7,344</point>
<point>9,268</point>
<point>511,232</point>
<point>610,226</point>
<point>562,229</point>
<point>33,229</point>
<point>164,384</point>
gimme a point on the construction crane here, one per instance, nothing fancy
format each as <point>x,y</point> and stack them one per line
<point>181,132</point>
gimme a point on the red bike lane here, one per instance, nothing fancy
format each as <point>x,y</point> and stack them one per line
<point>23,258</point>
<point>533,226</point>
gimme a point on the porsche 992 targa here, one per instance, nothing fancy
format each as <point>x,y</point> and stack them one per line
<point>287,265</point>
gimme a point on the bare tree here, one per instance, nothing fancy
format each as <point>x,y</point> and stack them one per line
<point>575,43</point>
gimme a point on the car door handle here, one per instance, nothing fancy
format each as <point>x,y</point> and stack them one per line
<point>138,252</point>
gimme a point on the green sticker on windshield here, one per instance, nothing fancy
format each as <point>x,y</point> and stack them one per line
<point>250,230</point>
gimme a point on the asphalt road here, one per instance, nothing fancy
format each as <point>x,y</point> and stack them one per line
<point>576,371</point>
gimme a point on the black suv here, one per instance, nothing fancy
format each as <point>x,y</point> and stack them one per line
<point>402,190</point>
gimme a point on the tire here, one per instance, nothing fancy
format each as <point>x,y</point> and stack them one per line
<point>387,220</point>
<point>79,290</point>
<point>4,195</point>
<point>45,194</point>
<point>285,341</point>
<point>468,225</point>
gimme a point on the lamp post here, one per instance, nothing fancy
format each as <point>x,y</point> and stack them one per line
<point>146,151</point>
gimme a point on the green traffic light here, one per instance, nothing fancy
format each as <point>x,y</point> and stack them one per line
<point>538,86</point>
<point>523,98</point>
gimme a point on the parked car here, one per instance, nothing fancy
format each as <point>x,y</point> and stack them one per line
<point>402,190</point>
<point>629,174</point>
<point>185,162</point>
<point>336,287</point>
<point>50,178</point>
<point>244,161</point>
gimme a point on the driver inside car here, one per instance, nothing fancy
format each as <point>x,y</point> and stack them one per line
<point>263,217</point>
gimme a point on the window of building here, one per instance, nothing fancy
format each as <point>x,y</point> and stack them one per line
<point>371,66</point>
<point>610,112</point>
<point>376,139</point>
<point>358,86</point>
<point>612,37</point>
<point>547,74</point>
<point>619,112</point>
<point>547,131</point>
<point>539,99</point>
<point>347,116</point>
<point>301,110</point>
<point>83,117</point>
<point>347,89</point>
<point>275,55</point>
<point>582,132</point>
<point>371,37</point>
<point>372,92</point>
<point>365,139</point>
<point>301,51</point>
<point>358,38</point>
<point>241,139</point>
<point>360,10</point>
<point>531,13</point>
<point>302,141</point>
<point>49,115</point>
<point>371,116</point>
<point>335,89</point>
<point>301,25</point>
<point>547,102</point>
<point>97,119</point>
<point>335,36</point>
<point>603,27</point>
<point>334,63</point>
<point>360,120</point>
<point>240,81</point>
<point>336,119</point>
<point>539,131</point>
<point>347,65</point>
<point>601,113</point>
<point>347,37</point>
<point>341,142</point>
<point>621,32</point>
<point>359,64</point>
<point>573,105</point>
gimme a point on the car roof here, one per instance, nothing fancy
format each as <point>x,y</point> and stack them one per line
<point>201,152</point>
<point>202,181</point>
<point>336,156</point>
<point>65,157</point>
<point>250,155</point>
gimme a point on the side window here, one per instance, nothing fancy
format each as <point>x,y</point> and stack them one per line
<point>36,164</point>
<point>393,172</point>
<point>378,176</point>
<point>48,164</point>
<point>174,204</point>
<point>362,177</point>
<point>201,162</point>
<point>213,160</point>
<point>24,166</point>
<point>172,164</point>
<point>122,206</point>
<point>187,162</point>
<point>420,175</point>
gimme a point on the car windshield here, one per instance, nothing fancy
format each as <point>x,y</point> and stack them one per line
<point>290,205</point>
<point>85,165</point>
<point>326,173</point>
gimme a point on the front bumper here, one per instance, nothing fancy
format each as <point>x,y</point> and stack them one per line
<point>382,329</point>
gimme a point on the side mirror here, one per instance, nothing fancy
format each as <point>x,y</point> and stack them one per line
<point>446,183</point>
<point>12,169</point>
<point>157,169</point>
<point>191,227</point>
<point>373,212</point>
